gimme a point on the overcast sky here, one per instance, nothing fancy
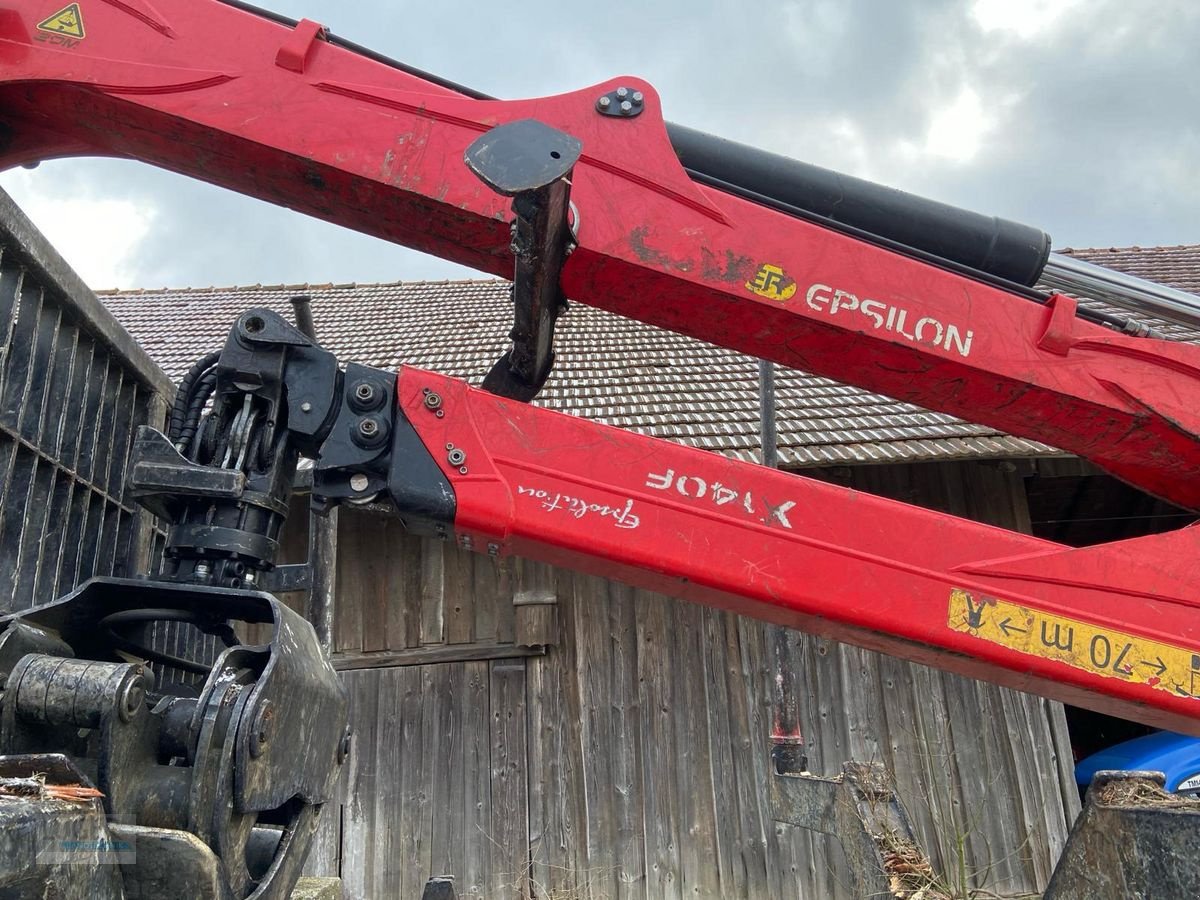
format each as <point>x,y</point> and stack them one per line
<point>1079,116</point>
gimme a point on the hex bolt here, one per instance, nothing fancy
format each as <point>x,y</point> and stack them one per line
<point>432,400</point>
<point>626,107</point>
<point>364,392</point>
<point>359,482</point>
<point>368,427</point>
<point>456,457</point>
<point>305,407</point>
<point>637,98</point>
<point>263,729</point>
<point>603,103</point>
<point>622,93</point>
<point>202,570</point>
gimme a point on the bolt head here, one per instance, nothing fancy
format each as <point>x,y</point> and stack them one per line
<point>622,93</point>
<point>432,400</point>
<point>604,103</point>
<point>637,98</point>
<point>368,428</point>
<point>626,107</point>
<point>132,698</point>
<point>306,407</point>
<point>359,482</point>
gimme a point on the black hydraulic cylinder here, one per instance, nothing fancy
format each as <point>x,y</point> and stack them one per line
<point>996,247</point>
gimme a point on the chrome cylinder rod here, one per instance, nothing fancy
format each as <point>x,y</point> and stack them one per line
<point>1083,279</point>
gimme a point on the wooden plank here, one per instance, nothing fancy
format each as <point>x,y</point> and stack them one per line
<point>404,623</point>
<point>459,595</point>
<point>448,788</point>
<point>699,869</point>
<point>324,856</point>
<point>596,747</point>
<point>730,877</point>
<point>380,580</point>
<point>553,785</point>
<point>389,760</point>
<point>347,619</point>
<point>434,685</point>
<point>541,727</point>
<point>475,814</point>
<point>627,810</point>
<point>358,822</point>
<point>754,680</point>
<point>438,653</point>
<point>535,598</point>
<point>486,588</point>
<point>508,827</point>
<point>505,613</point>
<point>659,751</point>
<point>432,591</point>
<point>415,815</point>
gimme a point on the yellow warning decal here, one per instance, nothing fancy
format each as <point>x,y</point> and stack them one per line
<point>68,22</point>
<point>771,282</point>
<point>1082,645</point>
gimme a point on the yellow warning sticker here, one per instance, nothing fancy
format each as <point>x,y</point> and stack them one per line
<point>67,22</point>
<point>771,282</point>
<point>1082,645</point>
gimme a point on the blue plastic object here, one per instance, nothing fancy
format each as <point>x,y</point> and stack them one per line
<point>1175,755</point>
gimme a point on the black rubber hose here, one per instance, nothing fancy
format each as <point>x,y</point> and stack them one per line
<point>183,395</point>
<point>191,419</point>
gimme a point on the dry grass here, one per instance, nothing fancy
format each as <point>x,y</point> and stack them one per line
<point>910,874</point>
<point>1141,792</point>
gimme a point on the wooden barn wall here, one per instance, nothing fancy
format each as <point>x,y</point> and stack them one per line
<point>631,758</point>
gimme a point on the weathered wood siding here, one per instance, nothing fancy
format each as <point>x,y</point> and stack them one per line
<point>631,759</point>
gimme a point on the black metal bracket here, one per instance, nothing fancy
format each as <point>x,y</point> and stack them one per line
<point>530,162</point>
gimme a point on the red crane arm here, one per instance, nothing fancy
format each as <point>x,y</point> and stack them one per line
<point>209,90</point>
<point>1114,628</point>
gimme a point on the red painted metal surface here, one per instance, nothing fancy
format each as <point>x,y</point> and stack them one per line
<point>232,98</point>
<point>278,113</point>
<point>818,557</point>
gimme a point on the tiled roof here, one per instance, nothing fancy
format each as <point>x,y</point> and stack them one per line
<point>1175,266</point>
<point>609,368</point>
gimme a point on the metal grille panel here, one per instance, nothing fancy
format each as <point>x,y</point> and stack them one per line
<point>74,387</point>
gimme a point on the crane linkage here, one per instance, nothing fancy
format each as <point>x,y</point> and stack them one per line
<point>589,195</point>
